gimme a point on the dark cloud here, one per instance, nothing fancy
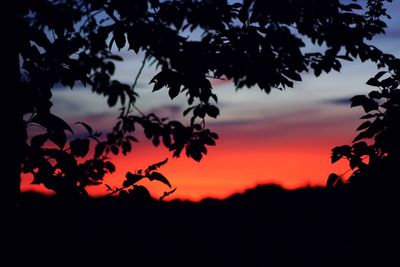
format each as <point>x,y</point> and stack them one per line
<point>339,101</point>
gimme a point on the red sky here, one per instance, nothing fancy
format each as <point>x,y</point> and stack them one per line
<point>293,154</point>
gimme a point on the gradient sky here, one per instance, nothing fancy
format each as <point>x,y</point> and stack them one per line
<point>284,137</point>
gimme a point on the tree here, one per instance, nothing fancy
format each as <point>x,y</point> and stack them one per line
<point>374,156</point>
<point>253,43</point>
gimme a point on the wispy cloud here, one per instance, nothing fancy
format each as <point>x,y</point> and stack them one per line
<point>339,101</point>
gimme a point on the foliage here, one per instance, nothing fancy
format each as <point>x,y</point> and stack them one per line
<point>253,43</point>
<point>375,152</point>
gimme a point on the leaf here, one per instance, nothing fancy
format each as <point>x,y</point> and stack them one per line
<point>87,127</point>
<point>114,149</point>
<point>99,149</point>
<point>212,111</point>
<point>375,94</point>
<point>79,147</point>
<point>237,5</point>
<point>109,166</point>
<point>345,57</point>
<point>332,180</point>
<point>110,68</point>
<point>174,91</point>
<point>156,140</point>
<point>369,116</point>
<point>186,111</point>
<point>364,125</point>
<point>355,162</point>
<point>119,37</point>
<point>126,147</point>
<point>39,140</point>
<point>157,86</point>
<point>339,152</point>
<point>159,177</point>
<point>167,193</point>
<point>354,6</point>
<point>115,57</point>
<point>380,74</point>
<point>108,187</point>
<point>51,121</point>
<point>362,135</point>
<point>367,103</point>
<point>58,137</point>
<point>156,165</point>
<point>360,148</point>
<point>373,82</point>
<point>112,99</point>
<point>214,96</point>
<point>293,75</point>
<point>132,179</point>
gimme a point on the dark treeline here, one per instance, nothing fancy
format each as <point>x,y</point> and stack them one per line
<point>265,226</point>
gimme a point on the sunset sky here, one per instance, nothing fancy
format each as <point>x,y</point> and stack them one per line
<point>284,137</point>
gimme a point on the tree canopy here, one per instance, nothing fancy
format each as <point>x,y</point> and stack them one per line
<point>251,42</point>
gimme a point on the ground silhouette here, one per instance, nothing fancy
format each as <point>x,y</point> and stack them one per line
<point>265,226</point>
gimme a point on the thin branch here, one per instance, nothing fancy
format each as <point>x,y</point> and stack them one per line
<point>128,110</point>
<point>217,78</point>
<point>139,73</point>
<point>116,191</point>
<point>138,110</point>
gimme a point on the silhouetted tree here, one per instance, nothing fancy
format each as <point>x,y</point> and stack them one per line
<point>253,43</point>
<point>374,156</point>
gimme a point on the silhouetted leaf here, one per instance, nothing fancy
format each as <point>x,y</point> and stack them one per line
<point>109,166</point>
<point>126,147</point>
<point>375,94</point>
<point>108,187</point>
<point>364,125</point>
<point>87,127</point>
<point>159,177</point>
<point>39,140</point>
<point>112,99</point>
<point>99,149</point>
<point>132,179</point>
<point>360,148</point>
<point>58,137</point>
<point>114,149</point>
<point>157,86</point>
<point>119,37</point>
<point>369,116</point>
<point>156,165</point>
<point>373,82</point>
<point>367,103</point>
<point>360,136</point>
<point>115,57</point>
<point>51,121</point>
<point>167,193</point>
<point>339,152</point>
<point>293,75</point>
<point>186,111</point>
<point>174,91</point>
<point>79,147</point>
<point>212,111</point>
<point>380,74</point>
<point>332,180</point>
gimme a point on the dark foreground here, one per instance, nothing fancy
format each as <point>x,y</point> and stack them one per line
<point>266,226</point>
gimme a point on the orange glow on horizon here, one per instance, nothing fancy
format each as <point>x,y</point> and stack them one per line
<point>234,165</point>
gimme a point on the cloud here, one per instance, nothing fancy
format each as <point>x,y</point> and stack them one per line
<point>170,111</point>
<point>339,101</point>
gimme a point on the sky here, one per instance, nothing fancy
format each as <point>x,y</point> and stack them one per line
<point>283,138</point>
